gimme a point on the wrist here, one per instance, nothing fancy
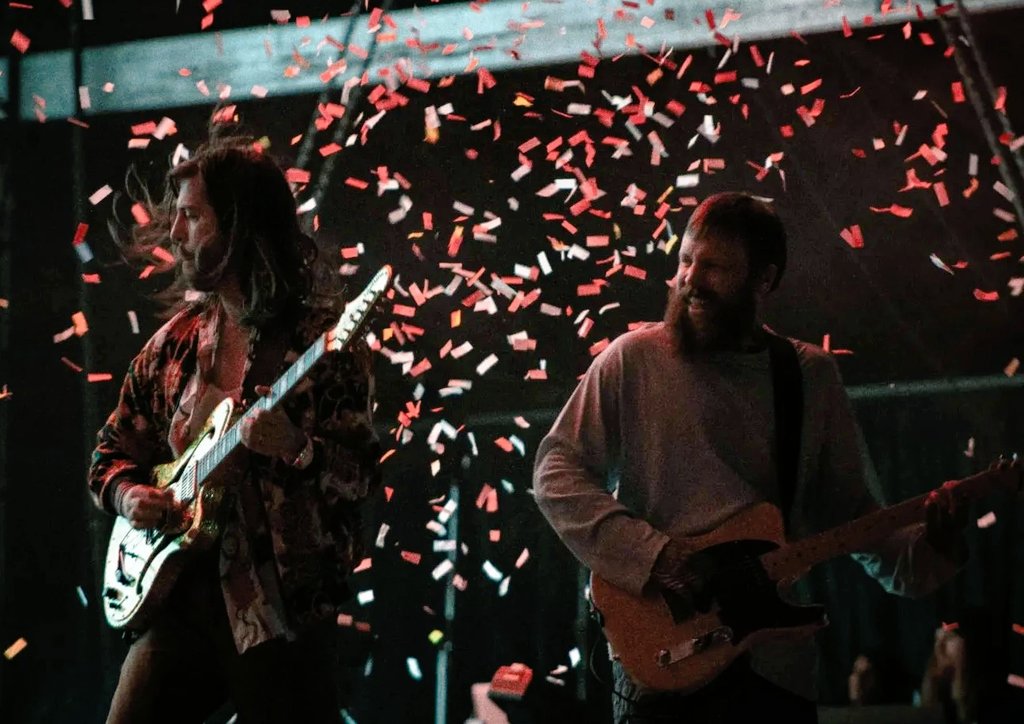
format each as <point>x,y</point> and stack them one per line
<point>302,454</point>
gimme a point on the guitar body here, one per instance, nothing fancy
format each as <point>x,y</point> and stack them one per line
<point>666,644</point>
<point>142,565</point>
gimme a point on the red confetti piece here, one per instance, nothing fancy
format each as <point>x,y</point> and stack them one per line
<point>140,214</point>
<point>896,210</point>
<point>99,377</point>
<point>853,237</point>
<point>206,22</point>
<point>1000,104</point>
<point>809,87</point>
<point>297,175</point>
<point>756,55</point>
<point>940,193</point>
<point>20,41</point>
<point>162,254</point>
<point>847,30</point>
<point>983,296</point>
<point>958,92</point>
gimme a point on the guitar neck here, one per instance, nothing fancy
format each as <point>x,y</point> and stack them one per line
<point>232,438</point>
<point>794,559</point>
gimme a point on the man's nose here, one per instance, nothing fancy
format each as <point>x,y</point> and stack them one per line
<point>177,229</point>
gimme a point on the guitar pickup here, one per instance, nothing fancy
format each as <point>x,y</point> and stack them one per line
<point>691,647</point>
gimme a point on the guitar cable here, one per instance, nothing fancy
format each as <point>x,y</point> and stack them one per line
<point>637,702</point>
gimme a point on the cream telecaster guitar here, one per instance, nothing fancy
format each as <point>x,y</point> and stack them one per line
<point>666,644</point>
<point>142,565</point>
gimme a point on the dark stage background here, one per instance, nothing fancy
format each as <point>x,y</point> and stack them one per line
<point>891,314</point>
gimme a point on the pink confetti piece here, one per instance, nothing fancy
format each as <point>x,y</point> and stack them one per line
<point>20,41</point>
<point>140,214</point>
<point>853,237</point>
<point>99,377</point>
<point>987,520</point>
<point>896,210</point>
<point>1015,680</point>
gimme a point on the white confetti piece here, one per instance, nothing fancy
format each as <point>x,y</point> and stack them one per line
<point>382,533</point>
<point>84,251</point>
<point>442,569</point>
<point>489,361</point>
<point>545,266</point>
<point>365,597</point>
<point>414,668</point>
<point>987,520</point>
<point>100,194</point>
<point>492,572</point>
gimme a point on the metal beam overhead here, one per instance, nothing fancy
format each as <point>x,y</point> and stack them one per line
<point>506,35</point>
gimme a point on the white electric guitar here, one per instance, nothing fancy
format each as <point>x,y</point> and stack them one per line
<point>142,565</point>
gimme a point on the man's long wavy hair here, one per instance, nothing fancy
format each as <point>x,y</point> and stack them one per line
<point>255,213</point>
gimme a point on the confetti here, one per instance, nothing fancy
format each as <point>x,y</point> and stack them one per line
<point>14,649</point>
<point>414,668</point>
<point>20,41</point>
<point>987,520</point>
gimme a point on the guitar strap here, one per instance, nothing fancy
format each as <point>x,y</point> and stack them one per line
<point>788,394</point>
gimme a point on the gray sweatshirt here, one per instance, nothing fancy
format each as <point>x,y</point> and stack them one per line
<point>652,445</point>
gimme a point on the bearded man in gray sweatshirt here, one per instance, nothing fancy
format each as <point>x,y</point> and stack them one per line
<point>679,427</point>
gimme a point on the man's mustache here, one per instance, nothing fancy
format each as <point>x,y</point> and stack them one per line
<point>692,294</point>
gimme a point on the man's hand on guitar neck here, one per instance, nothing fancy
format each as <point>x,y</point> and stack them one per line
<point>946,509</point>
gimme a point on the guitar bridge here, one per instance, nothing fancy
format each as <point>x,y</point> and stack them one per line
<point>692,647</point>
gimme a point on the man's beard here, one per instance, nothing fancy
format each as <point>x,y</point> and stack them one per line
<point>722,323</point>
<point>206,269</point>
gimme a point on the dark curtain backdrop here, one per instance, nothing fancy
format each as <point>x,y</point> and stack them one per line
<point>902,318</point>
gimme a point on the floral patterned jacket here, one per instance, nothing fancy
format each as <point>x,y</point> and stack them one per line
<point>284,563</point>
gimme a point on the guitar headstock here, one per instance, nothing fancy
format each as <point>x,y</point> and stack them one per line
<point>358,311</point>
<point>1009,473</point>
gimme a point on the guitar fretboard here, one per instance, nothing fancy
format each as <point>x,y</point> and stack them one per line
<point>794,559</point>
<point>352,319</point>
<point>284,384</point>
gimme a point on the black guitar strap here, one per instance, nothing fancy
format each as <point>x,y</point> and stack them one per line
<point>788,393</point>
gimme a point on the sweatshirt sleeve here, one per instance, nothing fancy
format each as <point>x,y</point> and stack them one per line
<point>575,465</point>
<point>127,444</point>
<point>904,563</point>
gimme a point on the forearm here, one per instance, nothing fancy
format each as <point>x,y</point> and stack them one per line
<point>601,532</point>
<point>905,564</point>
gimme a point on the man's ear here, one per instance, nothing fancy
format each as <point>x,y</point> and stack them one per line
<point>766,278</point>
